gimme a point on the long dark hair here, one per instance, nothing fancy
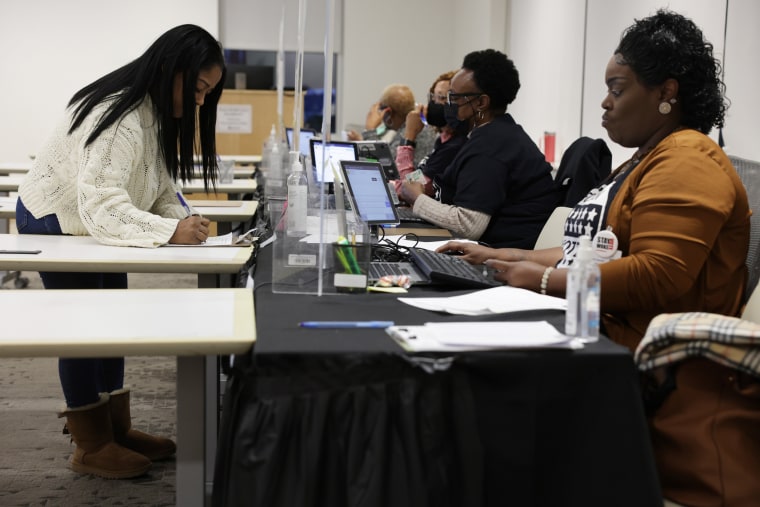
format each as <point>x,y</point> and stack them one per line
<point>668,45</point>
<point>185,49</point>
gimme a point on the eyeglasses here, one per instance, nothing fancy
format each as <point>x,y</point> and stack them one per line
<point>438,98</point>
<point>454,97</point>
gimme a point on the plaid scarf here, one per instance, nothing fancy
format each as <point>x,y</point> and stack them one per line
<point>672,337</point>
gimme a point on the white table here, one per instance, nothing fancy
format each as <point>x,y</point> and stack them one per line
<point>242,159</point>
<point>216,211</point>
<point>15,167</point>
<point>241,184</point>
<point>10,182</point>
<point>8,206</point>
<point>85,254</point>
<point>238,186</point>
<point>223,211</point>
<point>97,325</point>
<point>224,215</point>
<point>243,171</point>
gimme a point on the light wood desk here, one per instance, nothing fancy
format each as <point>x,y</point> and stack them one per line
<point>98,326</point>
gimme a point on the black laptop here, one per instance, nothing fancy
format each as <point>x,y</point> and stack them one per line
<point>334,152</point>
<point>371,199</point>
<point>375,196</point>
<point>304,140</point>
<point>369,192</point>
<point>378,151</point>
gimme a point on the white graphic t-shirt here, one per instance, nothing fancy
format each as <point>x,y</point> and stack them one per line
<point>585,220</point>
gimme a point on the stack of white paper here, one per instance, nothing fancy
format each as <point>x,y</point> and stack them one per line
<point>495,300</point>
<point>462,336</point>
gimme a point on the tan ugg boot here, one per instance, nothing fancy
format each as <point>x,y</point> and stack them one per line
<point>96,451</point>
<point>154,448</point>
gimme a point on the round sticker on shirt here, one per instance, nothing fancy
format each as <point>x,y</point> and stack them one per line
<point>605,244</point>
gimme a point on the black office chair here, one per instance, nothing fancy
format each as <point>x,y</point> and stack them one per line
<point>584,165</point>
<point>749,172</point>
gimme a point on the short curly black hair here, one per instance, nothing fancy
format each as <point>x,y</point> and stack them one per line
<point>668,45</point>
<point>495,75</point>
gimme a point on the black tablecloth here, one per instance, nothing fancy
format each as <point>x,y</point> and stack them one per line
<point>325,417</point>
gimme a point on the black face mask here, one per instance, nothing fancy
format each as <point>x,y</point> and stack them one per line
<point>435,115</point>
<point>450,112</point>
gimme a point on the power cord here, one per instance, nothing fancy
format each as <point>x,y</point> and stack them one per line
<point>391,251</point>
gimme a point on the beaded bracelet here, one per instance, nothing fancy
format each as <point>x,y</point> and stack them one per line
<point>545,279</point>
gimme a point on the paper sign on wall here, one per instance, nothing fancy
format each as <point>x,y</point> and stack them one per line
<point>234,119</point>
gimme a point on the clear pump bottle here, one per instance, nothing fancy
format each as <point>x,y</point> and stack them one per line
<point>297,199</point>
<point>583,295</point>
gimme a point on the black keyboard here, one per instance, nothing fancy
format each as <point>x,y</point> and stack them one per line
<point>405,214</point>
<point>451,270</point>
<point>379,269</point>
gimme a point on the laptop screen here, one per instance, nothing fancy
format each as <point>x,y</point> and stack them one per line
<point>304,136</point>
<point>369,192</point>
<point>336,151</point>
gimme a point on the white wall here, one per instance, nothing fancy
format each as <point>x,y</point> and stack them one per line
<point>563,84</point>
<point>393,41</point>
<point>52,48</point>
<point>246,24</point>
<point>546,43</point>
<point>410,42</point>
<point>606,22</point>
<point>742,130</point>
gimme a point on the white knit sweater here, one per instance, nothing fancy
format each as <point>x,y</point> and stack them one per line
<point>117,189</point>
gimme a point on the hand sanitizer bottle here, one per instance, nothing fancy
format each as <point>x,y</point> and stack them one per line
<point>583,295</point>
<point>297,199</point>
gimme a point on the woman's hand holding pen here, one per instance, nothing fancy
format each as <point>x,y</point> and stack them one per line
<point>192,230</point>
<point>413,124</point>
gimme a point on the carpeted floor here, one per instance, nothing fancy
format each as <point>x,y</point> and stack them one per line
<point>34,458</point>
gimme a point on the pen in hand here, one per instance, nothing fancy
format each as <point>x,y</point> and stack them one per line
<point>184,204</point>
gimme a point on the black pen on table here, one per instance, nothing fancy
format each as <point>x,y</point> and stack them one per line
<point>184,204</point>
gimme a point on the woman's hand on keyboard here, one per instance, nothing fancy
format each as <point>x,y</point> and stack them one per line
<point>478,254</point>
<point>522,274</point>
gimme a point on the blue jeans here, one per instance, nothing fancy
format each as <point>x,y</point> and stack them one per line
<point>81,379</point>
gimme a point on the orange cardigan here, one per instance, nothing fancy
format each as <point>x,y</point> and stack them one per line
<point>682,219</point>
